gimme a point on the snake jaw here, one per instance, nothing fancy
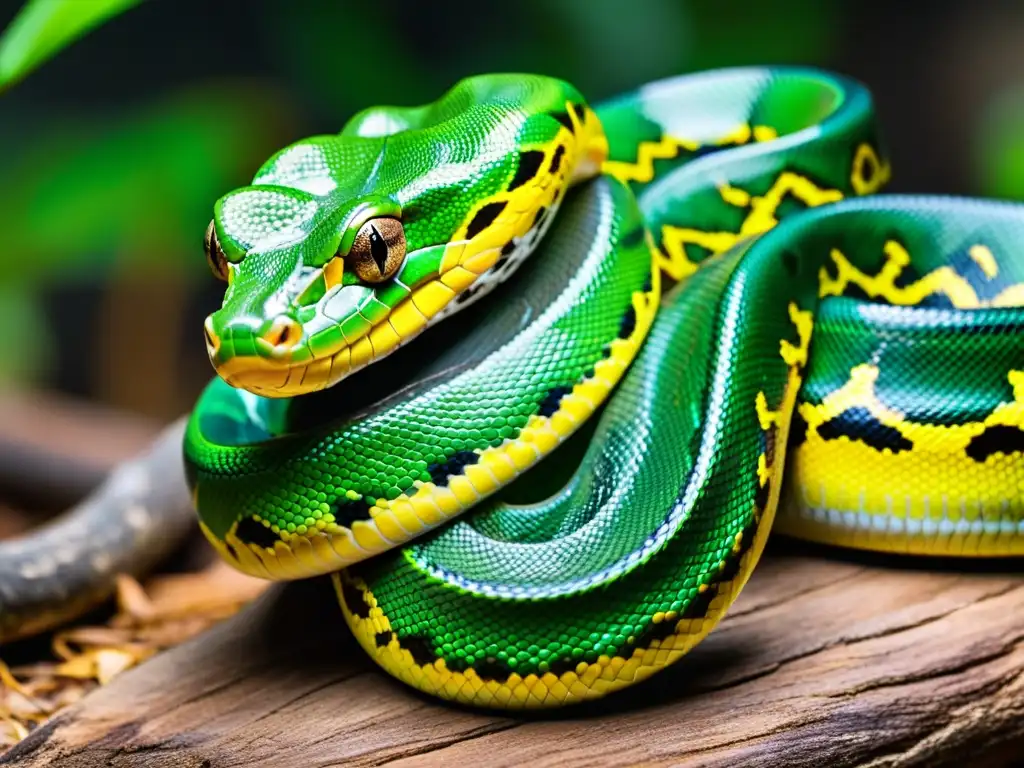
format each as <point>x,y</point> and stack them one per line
<point>461,272</point>
<point>273,372</point>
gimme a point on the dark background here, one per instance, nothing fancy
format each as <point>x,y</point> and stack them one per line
<point>114,151</point>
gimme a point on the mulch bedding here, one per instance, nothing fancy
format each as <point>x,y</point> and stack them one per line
<point>159,613</point>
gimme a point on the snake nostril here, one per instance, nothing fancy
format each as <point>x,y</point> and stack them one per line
<point>212,342</point>
<point>283,332</point>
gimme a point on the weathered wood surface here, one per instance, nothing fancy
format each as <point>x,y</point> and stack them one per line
<point>58,448</point>
<point>828,659</point>
<point>824,661</point>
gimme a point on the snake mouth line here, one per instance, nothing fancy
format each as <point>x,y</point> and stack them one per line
<point>465,275</point>
<point>277,376</point>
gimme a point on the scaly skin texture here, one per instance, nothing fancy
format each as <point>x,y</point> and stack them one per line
<point>580,574</point>
<point>471,177</point>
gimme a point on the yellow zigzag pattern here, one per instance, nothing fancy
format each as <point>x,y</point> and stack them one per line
<point>944,280</point>
<point>868,174</point>
<point>761,216</point>
<point>667,147</point>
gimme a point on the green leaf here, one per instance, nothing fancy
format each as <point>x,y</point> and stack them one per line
<point>998,146</point>
<point>27,346</point>
<point>133,190</point>
<point>43,27</point>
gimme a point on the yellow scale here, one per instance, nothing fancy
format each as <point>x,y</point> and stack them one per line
<point>937,499</point>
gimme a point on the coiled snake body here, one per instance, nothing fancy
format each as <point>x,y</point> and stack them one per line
<point>612,558</point>
<point>496,261</point>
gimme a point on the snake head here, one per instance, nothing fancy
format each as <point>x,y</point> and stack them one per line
<point>346,246</point>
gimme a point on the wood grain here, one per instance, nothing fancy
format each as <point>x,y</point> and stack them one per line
<point>58,448</point>
<point>828,659</point>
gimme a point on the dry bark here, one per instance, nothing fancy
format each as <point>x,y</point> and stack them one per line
<point>827,659</point>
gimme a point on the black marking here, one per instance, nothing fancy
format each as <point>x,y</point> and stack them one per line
<point>652,632</point>
<point>854,291</point>
<point>869,165</point>
<point>529,163</point>
<point>346,511</point>
<point>589,373</point>
<point>383,638</point>
<point>606,351</point>
<point>439,473</point>
<point>231,549</point>
<point>762,494</point>
<point>797,430</point>
<point>770,440</point>
<point>556,159</point>
<point>909,274</point>
<point>632,238</point>
<point>628,324</point>
<point>550,402</point>
<point>564,119</point>
<point>790,263</point>
<point>493,668</point>
<point>732,562</point>
<point>999,438</point>
<point>355,600</point>
<point>538,219</point>
<point>484,218</point>
<point>560,666</point>
<point>507,249</point>
<point>648,285</point>
<point>831,270</point>
<point>859,424</point>
<point>700,605</point>
<point>987,288</point>
<point>254,532</point>
<point>420,648</point>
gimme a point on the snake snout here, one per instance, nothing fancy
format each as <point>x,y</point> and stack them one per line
<point>247,338</point>
<point>212,339</point>
<point>283,333</point>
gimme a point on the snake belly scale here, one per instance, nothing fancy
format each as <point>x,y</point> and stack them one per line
<point>522,374</point>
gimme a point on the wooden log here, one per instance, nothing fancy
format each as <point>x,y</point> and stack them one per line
<point>58,448</point>
<point>827,659</point>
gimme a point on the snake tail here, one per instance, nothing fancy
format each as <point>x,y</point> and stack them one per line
<point>129,524</point>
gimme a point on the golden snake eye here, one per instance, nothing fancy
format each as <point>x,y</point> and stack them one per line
<point>215,254</point>
<point>378,250</point>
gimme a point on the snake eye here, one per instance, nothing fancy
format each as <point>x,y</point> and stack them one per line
<point>215,254</point>
<point>378,250</point>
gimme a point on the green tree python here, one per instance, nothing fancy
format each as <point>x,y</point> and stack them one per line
<point>522,374</point>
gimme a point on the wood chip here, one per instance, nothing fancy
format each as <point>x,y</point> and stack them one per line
<point>165,611</point>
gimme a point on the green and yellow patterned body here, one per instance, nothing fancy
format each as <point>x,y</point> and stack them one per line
<point>622,452</point>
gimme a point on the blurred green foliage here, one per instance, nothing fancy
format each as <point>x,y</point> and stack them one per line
<point>133,190</point>
<point>129,184</point>
<point>44,27</point>
<point>108,191</point>
<point>136,187</point>
<point>999,149</point>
